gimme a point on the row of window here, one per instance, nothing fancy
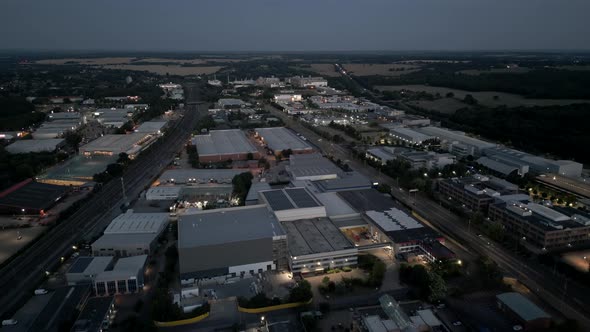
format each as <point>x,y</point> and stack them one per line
<point>116,287</point>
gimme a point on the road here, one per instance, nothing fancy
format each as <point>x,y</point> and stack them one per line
<point>571,299</point>
<point>19,278</point>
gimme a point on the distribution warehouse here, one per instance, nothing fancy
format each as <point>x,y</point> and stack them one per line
<point>222,145</point>
<point>131,234</point>
<point>281,138</point>
<point>231,241</point>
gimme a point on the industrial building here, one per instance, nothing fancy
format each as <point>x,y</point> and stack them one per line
<point>457,142</point>
<point>113,117</point>
<point>292,204</point>
<point>287,98</point>
<point>30,198</point>
<point>346,181</point>
<point>255,188</point>
<point>77,170</point>
<point>228,103</point>
<point>131,144</point>
<point>428,160</point>
<point>406,234</point>
<point>85,269</point>
<point>524,311</point>
<point>306,82</point>
<point>152,127</point>
<point>383,154</point>
<point>408,136</point>
<point>312,167</point>
<point>280,138</point>
<point>125,277</point>
<point>223,145</point>
<point>198,176</point>
<point>539,165</point>
<point>35,145</point>
<point>163,193</point>
<point>477,192</point>
<point>230,242</point>
<point>539,226</point>
<point>317,245</point>
<point>131,234</point>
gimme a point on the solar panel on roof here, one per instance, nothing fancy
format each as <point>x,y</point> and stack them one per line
<point>278,200</point>
<point>301,197</point>
<point>80,264</point>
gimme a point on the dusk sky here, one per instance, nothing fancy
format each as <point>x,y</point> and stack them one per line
<point>303,25</point>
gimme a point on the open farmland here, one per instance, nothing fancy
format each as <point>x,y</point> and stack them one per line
<point>324,69</point>
<point>486,98</point>
<point>370,69</point>
<point>443,105</point>
<point>513,70</point>
<point>87,61</point>
<point>171,69</point>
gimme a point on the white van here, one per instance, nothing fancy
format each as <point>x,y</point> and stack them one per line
<point>8,322</point>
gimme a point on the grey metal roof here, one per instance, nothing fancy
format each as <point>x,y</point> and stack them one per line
<point>281,138</point>
<point>312,164</point>
<point>227,225</point>
<point>255,188</point>
<point>289,198</point>
<point>34,145</point>
<point>138,223</point>
<point>347,181</point>
<point>80,264</point>
<point>301,197</point>
<point>125,268</point>
<point>307,237</point>
<point>124,240</point>
<point>522,306</point>
<point>223,142</point>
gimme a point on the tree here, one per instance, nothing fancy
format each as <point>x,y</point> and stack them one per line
<point>250,156</point>
<point>262,162</point>
<point>286,153</point>
<point>73,139</point>
<point>450,95</point>
<point>242,183</point>
<point>115,170</point>
<point>301,293</point>
<point>123,159</point>
<point>470,100</point>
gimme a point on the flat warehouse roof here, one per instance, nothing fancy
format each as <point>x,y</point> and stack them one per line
<point>137,223</point>
<point>219,226</point>
<point>114,142</point>
<point>83,264</point>
<point>281,138</point>
<point>522,306</point>
<point>307,237</point>
<point>368,199</point>
<point>312,164</point>
<point>200,175</point>
<point>31,195</point>
<point>34,145</point>
<point>223,142</point>
<point>150,126</point>
<point>124,240</point>
<point>289,198</point>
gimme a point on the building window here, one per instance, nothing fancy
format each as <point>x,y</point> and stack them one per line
<point>100,288</point>
<point>121,286</point>
<point>111,287</point>
<point>132,285</point>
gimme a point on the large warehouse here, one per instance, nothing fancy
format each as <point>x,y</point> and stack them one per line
<point>280,138</point>
<point>84,269</point>
<point>109,145</point>
<point>30,198</point>
<point>312,167</point>
<point>131,234</point>
<point>124,278</point>
<point>292,204</point>
<point>35,145</point>
<point>316,245</point>
<point>222,145</point>
<point>230,242</point>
